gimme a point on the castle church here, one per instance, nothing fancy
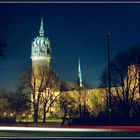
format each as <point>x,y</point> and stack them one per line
<point>93,99</point>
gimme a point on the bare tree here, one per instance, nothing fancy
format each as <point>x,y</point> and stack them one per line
<point>73,103</point>
<point>80,95</point>
<point>41,85</point>
<point>19,104</point>
<point>124,80</point>
<point>127,92</point>
<point>68,107</point>
<point>50,93</point>
<point>5,103</point>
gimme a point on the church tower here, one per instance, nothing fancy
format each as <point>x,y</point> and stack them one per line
<point>41,58</point>
<point>41,50</point>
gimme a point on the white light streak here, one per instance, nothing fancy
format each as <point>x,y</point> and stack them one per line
<point>9,128</point>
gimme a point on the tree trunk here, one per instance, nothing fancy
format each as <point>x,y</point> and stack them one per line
<point>126,110</point>
<point>80,110</point>
<point>35,113</point>
<point>44,116</point>
<point>63,119</point>
<point>44,112</point>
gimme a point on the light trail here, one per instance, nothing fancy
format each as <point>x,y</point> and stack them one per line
<point>11,128</point>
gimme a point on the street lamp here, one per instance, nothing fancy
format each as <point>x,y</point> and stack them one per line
<point>109,73</point>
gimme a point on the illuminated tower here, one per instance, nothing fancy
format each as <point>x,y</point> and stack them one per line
<point>41,57</point>
<point>41,50</point>
<point>79,75</point>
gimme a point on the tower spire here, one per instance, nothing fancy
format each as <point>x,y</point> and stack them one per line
<point>41,30</point>
<point>79,75</point>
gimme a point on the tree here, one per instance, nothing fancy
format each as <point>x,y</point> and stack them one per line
<point>68,107</point>
<point>41,85</point>
<point>124,79</point>
<point>19,103</point>
<point>5,103</point>
<point>12,105</point>
<point>81,94</point>
<point>50,93</point>
<point>73,103</point>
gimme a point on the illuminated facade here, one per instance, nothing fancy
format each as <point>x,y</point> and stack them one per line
<point>94,99</point>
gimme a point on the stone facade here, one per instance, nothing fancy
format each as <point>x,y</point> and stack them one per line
<point>93,99</point>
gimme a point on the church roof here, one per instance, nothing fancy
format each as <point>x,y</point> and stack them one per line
<point>68,86</point>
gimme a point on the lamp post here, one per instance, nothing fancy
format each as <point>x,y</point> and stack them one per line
<point>109,75</point>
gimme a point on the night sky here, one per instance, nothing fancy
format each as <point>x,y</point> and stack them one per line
<point>74,30</point>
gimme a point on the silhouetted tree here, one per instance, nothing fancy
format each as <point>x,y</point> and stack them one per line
<point>41,85</point>
<point>124,79</point>
<point>81,95</point>
<point>5,103</point>
<point>50,92</point>
<point>68,107</point>
<point>19,103</point>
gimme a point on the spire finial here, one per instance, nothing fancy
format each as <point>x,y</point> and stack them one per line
<point>79,75</point>
<point>41,30</point>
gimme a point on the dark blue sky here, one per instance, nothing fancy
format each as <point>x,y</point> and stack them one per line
<point>74,30</point>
